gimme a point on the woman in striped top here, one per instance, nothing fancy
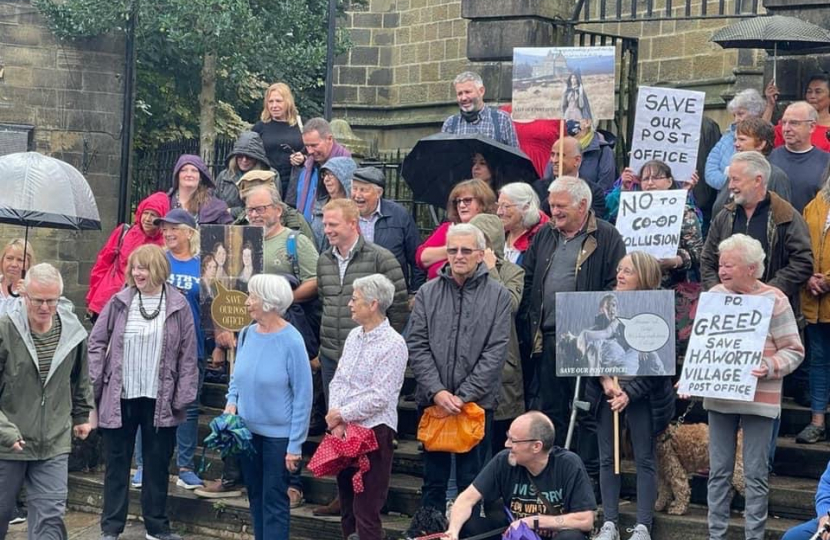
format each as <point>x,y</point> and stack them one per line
<point>144,373</point>
<point>741,264</point>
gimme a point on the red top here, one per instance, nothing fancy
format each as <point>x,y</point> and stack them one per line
<point>819,137</point>
<point>536,139</point>
<point>523,242</point>
<point>438,238</point>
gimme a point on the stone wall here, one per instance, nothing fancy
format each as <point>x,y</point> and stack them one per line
<point>394,85</point>
<point>70,93</point>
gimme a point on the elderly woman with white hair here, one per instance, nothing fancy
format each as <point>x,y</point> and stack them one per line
<point>271,391</point>
<point>518,209</point>
<point>364,391</point>
<point>741,264</point>
<point>746,103</point>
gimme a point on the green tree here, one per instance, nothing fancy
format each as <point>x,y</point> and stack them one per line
<point>200,63</point>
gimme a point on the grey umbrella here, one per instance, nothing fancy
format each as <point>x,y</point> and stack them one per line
<point>778,33</point>
<point>41,191</point>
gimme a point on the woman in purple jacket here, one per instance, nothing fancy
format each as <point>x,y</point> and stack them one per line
<point>193,190</point>
<point>144,374</point>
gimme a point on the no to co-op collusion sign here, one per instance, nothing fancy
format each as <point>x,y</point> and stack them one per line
<point>667,127</point>
<point>727,343</point>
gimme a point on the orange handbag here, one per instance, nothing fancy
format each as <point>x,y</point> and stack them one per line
<point>441,431</point>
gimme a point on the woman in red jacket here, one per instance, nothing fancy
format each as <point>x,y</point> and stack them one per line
<point>107,275</point>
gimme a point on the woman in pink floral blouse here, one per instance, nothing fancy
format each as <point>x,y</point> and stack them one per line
<point>365,391</point>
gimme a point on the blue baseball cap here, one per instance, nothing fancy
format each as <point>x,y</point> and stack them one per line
<point>177,216</point>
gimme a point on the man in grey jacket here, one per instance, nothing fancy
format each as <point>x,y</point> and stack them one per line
<point>46,389</point>
<point>458,340</point>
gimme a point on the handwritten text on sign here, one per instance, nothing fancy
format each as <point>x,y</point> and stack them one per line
<point>667,127</point>
<point>650,221</point>
<point>727,343</point>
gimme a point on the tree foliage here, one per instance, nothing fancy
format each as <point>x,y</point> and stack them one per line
<point>256,42</point>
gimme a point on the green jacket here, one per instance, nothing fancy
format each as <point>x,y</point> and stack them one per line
<point>42,414</point>
<point>367,259</point>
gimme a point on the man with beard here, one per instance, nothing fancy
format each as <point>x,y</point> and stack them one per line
<point>544,486</point>
<point>475,116</point>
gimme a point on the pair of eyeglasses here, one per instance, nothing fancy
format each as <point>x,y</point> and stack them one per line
<point>464,251</point>
<point>511,440</point>
<point>466,201</point>
<point>795,122</point>
<point>37,302</point>
<point>258,210</point>
<point>505,206</point>
<point>652,179</point>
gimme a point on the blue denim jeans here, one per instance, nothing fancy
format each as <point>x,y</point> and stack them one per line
<point>266,478</point>
<point>818,337</point>
<point>805,531</point>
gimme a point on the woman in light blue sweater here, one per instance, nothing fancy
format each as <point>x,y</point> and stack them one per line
<point>271,390</point>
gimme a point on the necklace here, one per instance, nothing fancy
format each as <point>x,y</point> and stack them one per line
<point>153,315</point>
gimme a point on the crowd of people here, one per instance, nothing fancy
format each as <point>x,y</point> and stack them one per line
<point>350,296</point>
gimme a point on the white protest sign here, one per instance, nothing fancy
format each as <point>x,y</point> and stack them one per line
<point>650,221</point>
<point>727,343</point>
<point>667,127</point>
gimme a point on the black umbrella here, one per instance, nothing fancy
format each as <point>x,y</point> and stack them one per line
<point>440,161</point>
<point>777,33</point>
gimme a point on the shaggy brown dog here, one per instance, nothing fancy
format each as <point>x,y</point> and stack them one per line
<point>682,450</point>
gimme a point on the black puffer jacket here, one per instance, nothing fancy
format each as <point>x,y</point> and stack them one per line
<point>659,392</point>
<point>458,337</point>
<point>367,259</point>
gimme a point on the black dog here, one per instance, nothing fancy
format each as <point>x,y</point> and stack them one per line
<point>426,521</point>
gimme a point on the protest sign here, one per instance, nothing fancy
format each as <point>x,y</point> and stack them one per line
<point>667,127</point>
<point>573,83</point>
<point>650,221</point>
<point>727,343</point>
<point>615,333</point>
<point>231,255</point>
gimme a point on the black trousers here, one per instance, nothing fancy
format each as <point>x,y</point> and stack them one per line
<point>157,448</point>
<point>556,395</point>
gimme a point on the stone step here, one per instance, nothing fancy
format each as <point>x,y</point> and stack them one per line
<point>230,518</point>
<point>224,518</point>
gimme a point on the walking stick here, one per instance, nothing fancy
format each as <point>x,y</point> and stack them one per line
<point>616,436</point>
<point>576,404</point>
<point>561,153</point>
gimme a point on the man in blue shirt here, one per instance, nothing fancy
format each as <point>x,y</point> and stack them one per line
<point>475,116</point>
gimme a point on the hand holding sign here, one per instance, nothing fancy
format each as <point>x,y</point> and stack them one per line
<point>667,127</point>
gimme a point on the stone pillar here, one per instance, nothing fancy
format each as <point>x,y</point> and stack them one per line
<point>497,26</point>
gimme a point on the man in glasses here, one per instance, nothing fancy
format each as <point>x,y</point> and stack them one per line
<point>458,340</point>
<point>43,370</point>
<point>543,486</point>
<point>804,163</point>
<point>577,251</point>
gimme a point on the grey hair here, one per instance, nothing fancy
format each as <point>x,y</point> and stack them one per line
<point>320,125</point>
<point>466,229</point>
<point>541,429</point>
<point>577,188</point>
<point>274,291</point>
<point>468,76</point>
<point>812,113</point>
<point>45,274</point>
<point>376,287</point>
<point>756,164</point>
<point>272,191</point>
<point>749,248</point>
<point>525,198</point>
<point>748,99</point>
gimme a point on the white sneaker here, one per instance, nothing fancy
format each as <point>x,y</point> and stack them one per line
<point>608,532</point>
<point>640,532</point>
